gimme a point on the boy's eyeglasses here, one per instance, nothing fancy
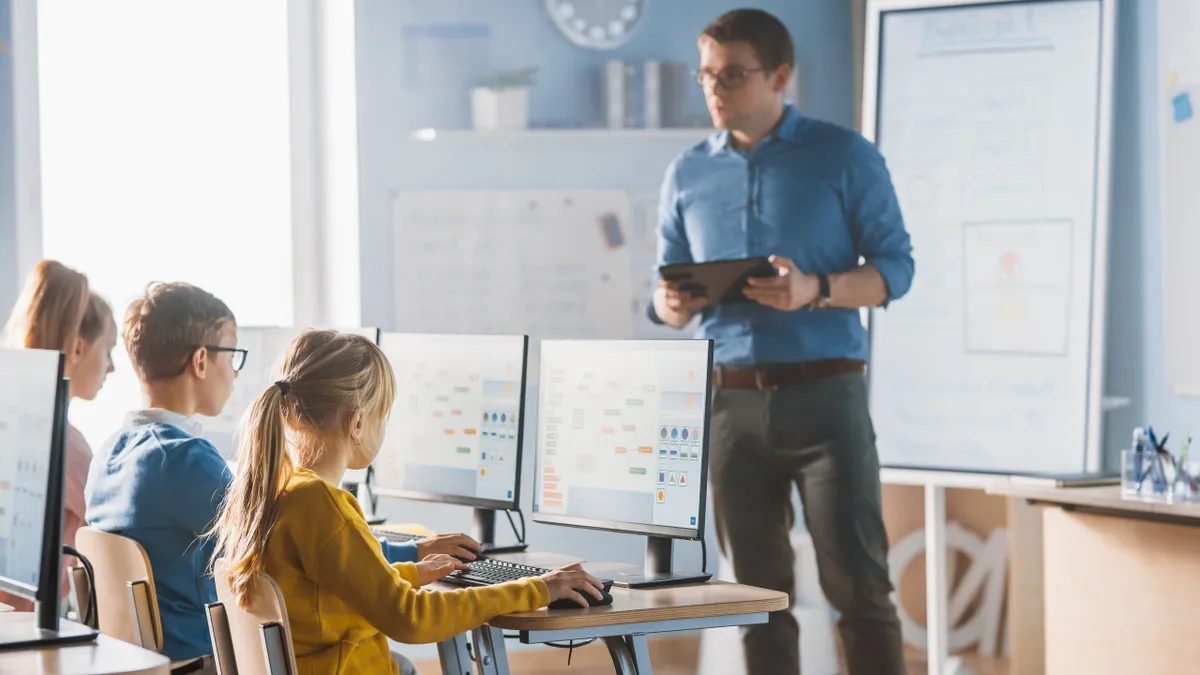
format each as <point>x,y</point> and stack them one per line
<point>733,77</point>
<point>237,357</point>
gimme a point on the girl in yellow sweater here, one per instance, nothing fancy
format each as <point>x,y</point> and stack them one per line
<point>285,516</point>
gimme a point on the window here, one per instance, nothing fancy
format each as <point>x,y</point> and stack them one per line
<point>166,156</point>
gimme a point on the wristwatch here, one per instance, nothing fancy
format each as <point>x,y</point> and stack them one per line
<point>823,298</point>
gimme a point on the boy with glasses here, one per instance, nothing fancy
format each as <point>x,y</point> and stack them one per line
<point>789,406</point>
<point>157,481</point>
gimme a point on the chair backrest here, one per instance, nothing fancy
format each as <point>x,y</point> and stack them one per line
<point>81,593</point>
<point>222,640</point>
<point>262,637</point>
<point>117,562</point>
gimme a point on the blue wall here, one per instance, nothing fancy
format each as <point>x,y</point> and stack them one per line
<point>1136,360</point>
<point>8,205</point>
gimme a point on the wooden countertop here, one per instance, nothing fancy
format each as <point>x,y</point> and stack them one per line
<point>1104,500</point>
<point>692,601</point>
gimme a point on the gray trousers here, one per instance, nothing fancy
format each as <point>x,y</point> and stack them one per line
<point>818,436</point>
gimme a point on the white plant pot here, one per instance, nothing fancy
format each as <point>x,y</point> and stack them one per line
<point>497,110</point>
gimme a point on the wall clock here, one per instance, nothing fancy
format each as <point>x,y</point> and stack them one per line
<point>596,24</point>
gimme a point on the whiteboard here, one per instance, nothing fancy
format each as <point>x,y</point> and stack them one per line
<point>550,264</point>
<point>994,120</point>
<point>1179,152</point>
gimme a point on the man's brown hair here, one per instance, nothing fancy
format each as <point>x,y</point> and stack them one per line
<point>166,325</point>
<point>765,34</point>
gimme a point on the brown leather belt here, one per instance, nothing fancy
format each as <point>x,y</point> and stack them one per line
<point>780,375</point>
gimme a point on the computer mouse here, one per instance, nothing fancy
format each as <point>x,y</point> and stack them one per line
<point>567,603</point>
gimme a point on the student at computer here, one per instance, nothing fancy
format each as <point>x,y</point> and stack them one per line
<point>285,516</point>
<point>58,311</point>
<point>156,480</point>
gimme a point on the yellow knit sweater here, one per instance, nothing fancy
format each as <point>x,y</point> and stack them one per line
<point>343,598</point>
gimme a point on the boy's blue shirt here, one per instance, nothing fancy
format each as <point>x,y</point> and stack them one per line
<point>159,483</point>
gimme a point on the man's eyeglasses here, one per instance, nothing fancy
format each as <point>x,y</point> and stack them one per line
<point>237,356</point>
<point>732,77</point>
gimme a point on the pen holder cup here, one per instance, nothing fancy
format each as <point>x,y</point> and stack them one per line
<point>1154,477</point>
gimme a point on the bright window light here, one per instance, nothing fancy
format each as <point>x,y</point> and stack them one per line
<point>165,156</point>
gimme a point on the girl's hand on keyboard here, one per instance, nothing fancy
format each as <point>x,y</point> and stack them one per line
<point>571,582</point>
<point>436,566</point>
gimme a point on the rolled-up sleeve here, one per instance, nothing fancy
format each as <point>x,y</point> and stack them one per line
<point>876,220</point>
<point>673,244</point>
<point>398,553</point>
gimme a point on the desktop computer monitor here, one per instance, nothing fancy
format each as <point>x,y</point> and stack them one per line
<point>265,349</point>
<point>455,433</point>
<point>623,442</point>
<point>33,431</point>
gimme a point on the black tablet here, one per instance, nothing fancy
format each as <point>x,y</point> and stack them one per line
<point>721,281</point>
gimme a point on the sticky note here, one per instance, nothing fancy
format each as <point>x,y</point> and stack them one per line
<point>610,228</point>
<point>1181,106</point>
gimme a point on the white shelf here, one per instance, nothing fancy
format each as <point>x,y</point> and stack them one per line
<point>434,135</point>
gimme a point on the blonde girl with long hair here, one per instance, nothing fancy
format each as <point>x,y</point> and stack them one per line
<point>284,515</point>
<point>57,310</point>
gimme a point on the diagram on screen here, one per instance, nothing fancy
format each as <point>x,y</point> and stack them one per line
<point>621,436</point>
<point>1017,290</point>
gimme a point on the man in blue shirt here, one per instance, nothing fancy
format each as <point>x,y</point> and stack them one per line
<point>790,404</point>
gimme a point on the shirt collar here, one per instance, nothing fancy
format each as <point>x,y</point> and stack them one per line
<point>161,416</point>
<point>788,129</point>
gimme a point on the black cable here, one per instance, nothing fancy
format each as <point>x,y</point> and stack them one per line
<point>520,537</point>
<point>570,646</point>
<point>703,556</point>
<point>367,482</point>
<point>89,613</point>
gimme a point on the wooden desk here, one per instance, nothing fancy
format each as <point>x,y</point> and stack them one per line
<point>105,656</point>
<point>1120,583</point>
<point>623,625</point>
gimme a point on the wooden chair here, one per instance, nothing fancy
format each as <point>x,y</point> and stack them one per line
<point>261,635</point>
<point>222,639</point>
<point>81,594</point>
<point>126,602</point>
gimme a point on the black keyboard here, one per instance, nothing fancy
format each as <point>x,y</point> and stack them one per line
<point>406,538</point>
<point>396,537</point>
<point>491,571</point>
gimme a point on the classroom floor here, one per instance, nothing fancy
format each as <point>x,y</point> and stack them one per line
<point>673,656</point>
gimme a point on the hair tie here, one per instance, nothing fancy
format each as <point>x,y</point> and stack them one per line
<point>284,387</point>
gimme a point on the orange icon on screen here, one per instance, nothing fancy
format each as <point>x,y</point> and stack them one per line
<point>662,496</point>
<point>483,472</point>
<point>691,400</point>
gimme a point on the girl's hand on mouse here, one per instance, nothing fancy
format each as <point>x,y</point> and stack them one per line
<point>571,582</point>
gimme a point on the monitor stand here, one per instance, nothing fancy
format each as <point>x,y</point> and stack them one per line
<point>483,531</point>
<point>41,628</point>
<point>658,568</point>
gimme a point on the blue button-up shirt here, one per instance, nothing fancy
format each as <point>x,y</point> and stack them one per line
<point>813,192</point>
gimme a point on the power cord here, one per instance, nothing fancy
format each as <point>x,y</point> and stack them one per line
<point>369,483</point>
<point>89,613</point>
<point>570,646</point>
<point>521,536</point>
<point>703,555</point>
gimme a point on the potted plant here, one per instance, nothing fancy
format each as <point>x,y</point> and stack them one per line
<point>502,102</point>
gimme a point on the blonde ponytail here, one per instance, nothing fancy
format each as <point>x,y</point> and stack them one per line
<point>249,511</point>
<point>325,375</point>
